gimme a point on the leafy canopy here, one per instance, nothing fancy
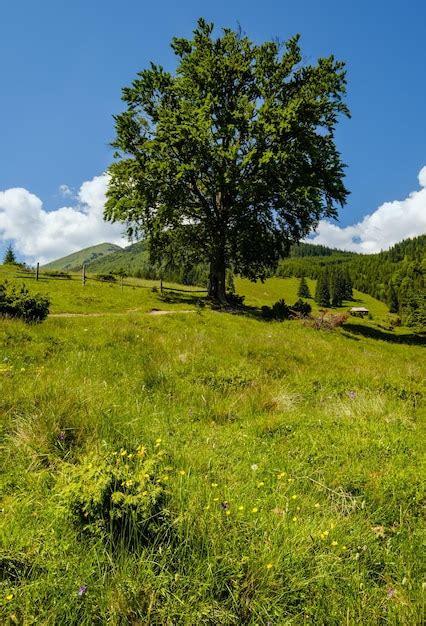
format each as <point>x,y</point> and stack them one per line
<point>232,157</point>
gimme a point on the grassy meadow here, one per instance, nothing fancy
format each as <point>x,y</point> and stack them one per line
<point>262,472</point>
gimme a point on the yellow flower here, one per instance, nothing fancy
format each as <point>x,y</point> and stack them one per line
<point>294,497</point>
<point>123,452</point>
<point>158,440</point>
<point>182,472</point>
<point>227,512</point>
<point>269,566</point>
<point>215,499</point>
<point>294,519</point>
<point>334,543</point>
<point>280,476</point>
<point>141,451</point>
<point>317,505</point>
<point>214,485</point>
<point>260,484</point>
<point>344,547</point>
<point>130,456</point>
<point>206,508</point>
<point>9,597</point>
<point>241,507</point>
<point>254,509</point>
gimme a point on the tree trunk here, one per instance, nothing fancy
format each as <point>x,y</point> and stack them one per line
<point>217,279</point>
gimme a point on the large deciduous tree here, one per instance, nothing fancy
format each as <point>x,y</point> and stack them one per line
<point>232,157</point>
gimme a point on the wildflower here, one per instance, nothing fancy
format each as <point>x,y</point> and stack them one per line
<point>294,497</point>
<point>82,590</point>
<point>215,499</point>
<point>391,592</point>
<point>334,543</point>
<point>9,597</point>
<point>295,519</point>
<point>224,506</point>
<point>214,485</point>
<point>61,435</point>
<point>280,476</point>
<point>254,509</point>
<point>352,395</point>
<point>317,505</point>
<point>158,440</point>
<point>22,369</point>
<point>130,456</point>
<point>269,566</point>
<point>182,472</point>
<point>228,512</point>
<point>260,484</point>
<point>241,507</point>
<point>141,451</point>
<point>123,452</point>
<point>206,508</point>
<point>254,467</point>
<point>344,547</point>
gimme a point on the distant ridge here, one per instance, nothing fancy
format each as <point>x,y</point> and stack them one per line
<point>75,260</point>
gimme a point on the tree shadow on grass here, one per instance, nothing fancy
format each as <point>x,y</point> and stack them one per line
<point>375,333</point>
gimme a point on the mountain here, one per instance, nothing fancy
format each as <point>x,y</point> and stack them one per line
<point>75,260</point>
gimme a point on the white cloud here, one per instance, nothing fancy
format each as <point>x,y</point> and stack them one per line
<point>390,223</point>
<point>65,191</point>
<point>40,235</point>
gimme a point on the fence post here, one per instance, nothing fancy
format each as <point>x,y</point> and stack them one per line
<point>37,270</point>
<point>121,282</point>
<point>83,278</point>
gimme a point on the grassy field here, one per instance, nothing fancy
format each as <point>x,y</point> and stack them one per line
<point>263,472</point>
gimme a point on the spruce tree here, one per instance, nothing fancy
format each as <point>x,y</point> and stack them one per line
<point>393,299</point>
<point>322,293</point>
<point>303,291</point>
<point>9,257</point>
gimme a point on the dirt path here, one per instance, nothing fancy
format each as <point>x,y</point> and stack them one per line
<point>114,314</point>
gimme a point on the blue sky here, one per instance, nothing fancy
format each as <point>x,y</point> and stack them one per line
<point>63,64</point>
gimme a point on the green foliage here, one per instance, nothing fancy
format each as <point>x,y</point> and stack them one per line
<point>303,291</point>
<point>9,257</point>
<point>278,311</point>
<point>235,150</point>
<point>322,291</point>
<point>20,303</point>
<point>106,278</point>
<point>117,495</point>
<point>301,308</point>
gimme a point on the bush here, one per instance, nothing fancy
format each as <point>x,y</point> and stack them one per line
<point>300,308</point>
<point>234,299</point>
<point>280,311</point>
<point>117,495</point>
<point>57,274</point>
<point>106,278</point>
<point>21,304</point>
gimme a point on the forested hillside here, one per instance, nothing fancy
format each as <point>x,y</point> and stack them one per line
<point>396,276</point>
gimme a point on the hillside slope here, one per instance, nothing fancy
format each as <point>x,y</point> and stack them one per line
<point>207,468</point>
<point>75,260</point>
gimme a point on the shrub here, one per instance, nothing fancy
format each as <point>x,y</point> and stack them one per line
<point>234,299</point>
<point>57,274</point>
<point>21,304</point>
<point>280,311</point>
<point>117,495</point>
<point>106,278</point>
<point>300,308</point>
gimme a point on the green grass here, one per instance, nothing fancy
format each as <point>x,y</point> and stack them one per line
<point>312,439</point>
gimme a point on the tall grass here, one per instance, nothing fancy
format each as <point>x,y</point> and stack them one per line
<point>291,466</point>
